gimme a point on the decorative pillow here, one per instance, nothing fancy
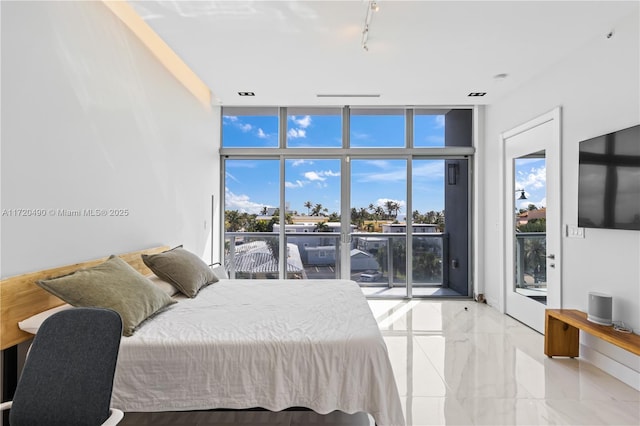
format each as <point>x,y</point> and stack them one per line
<point>181,268</point>
<point>113,285</point>
<point>33,323</point>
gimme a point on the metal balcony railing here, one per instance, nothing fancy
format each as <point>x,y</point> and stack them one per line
<point>377,259</point>
<point>530,255</point>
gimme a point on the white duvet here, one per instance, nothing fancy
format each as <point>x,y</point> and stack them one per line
<point>273,344</point>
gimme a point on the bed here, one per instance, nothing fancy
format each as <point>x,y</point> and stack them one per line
<point>240,344</point>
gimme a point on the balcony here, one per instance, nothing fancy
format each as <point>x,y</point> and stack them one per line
<point>378,260</point>
<point>531,265</point>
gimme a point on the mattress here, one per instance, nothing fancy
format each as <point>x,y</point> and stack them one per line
<point>273,344</point>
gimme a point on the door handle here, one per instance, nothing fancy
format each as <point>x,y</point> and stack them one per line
<point>551,256</point>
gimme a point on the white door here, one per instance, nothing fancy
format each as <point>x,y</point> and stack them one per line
<point>532,223</point>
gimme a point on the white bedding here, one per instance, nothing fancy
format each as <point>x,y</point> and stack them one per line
<point>273,344</point>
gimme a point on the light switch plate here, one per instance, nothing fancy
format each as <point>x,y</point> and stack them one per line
<point>574,231</point>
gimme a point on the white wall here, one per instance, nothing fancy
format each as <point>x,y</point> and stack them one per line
<point>599,91</point>
<point>90,120</point>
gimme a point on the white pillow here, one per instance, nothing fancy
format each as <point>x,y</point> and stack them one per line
<point>165,286</point>
<point>219,271</point>
<point>32,324</point>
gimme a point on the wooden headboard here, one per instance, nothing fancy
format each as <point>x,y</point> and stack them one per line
<point>21,297</point>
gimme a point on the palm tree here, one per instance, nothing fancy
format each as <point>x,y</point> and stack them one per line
<point>233,220</point>
<point>396,208</point>
<point>264,211</point>
<point>379,212</point>
<point>318,210</point>
<point>322,227</point>
<point>273,245</point>
<point>535,251</point>
<point>431,217</point>
<point>308,205</point>
<point>375,213</point>
<point>390,206</point>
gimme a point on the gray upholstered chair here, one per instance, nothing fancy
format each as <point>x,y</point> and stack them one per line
<point>67,378</point>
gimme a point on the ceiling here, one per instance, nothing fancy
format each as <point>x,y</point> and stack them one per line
<point>419,52</point>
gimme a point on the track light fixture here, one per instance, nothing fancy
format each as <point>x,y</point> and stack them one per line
<point>372,7</point>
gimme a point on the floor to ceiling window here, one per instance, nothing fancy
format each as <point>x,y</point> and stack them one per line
<point>376,195</point>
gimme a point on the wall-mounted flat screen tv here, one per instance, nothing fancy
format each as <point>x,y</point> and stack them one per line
<point>609,181</point>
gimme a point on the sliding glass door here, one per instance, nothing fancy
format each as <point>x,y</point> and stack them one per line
<point>378,216</point>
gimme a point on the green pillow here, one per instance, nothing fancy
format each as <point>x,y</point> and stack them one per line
<point>186,271</point>
<point>113,284</point>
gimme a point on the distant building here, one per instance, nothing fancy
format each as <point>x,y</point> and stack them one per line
<point>326,255</point>
<point>370,244</point>
<point>302,227</point>
<point>415,228</point>
<point>525,217</point>
<point>320,255</point>
<point>255,260</point>
<point>361,261</point>
<point>272,210</point>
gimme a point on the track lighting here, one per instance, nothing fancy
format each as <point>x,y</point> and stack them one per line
<point>372,7</point>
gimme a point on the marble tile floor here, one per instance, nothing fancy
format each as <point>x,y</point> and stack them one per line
<point>458,362</point>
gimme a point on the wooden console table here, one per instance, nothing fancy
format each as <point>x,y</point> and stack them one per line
<point>562,333</point>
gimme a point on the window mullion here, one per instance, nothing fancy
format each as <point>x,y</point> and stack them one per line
<point>282,241</point>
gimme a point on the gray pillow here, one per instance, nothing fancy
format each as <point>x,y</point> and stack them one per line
<point>115,285</point>
<point>181,268</point>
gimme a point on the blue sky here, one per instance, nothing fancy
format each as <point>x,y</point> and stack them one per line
<point>254,184</point>
<point>531,175</point>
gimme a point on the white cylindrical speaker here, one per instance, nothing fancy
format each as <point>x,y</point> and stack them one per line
<point>600,308</point>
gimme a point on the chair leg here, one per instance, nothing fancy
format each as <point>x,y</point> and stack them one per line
<point>114,418</point>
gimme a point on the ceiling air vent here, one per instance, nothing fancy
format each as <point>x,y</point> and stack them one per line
<point>477,94</point>
<point>346,95</point>
<point>246,94</point>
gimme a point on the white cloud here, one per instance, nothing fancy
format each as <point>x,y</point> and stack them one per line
<point>428,169</point>
<point>314,176</point>
<point>303,122</point>
<point>382,164</point>
<point>245,127</point>
<point>300,162</point>
<point>320,175</point>
<point>241,202</point>
<point>297,133</point>
<point>524,204</point>
<point>391,176</point>
<point>440,121</point>
<point>542,203</point>
<point>229,176</point>
<point>297,184</point>
<point>535,178</point>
